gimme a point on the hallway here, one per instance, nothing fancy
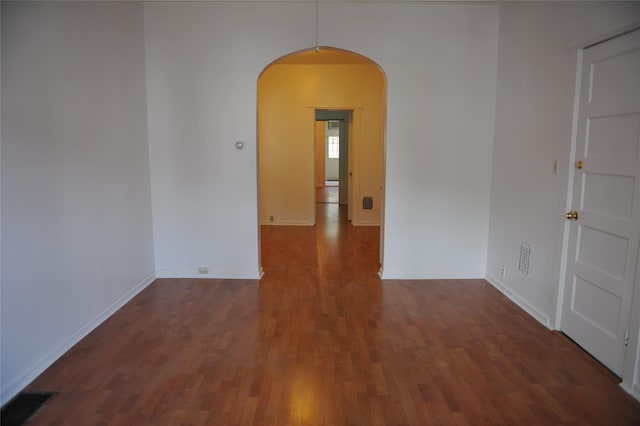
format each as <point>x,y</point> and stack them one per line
<point>334,247</point>
<point>320,340</point>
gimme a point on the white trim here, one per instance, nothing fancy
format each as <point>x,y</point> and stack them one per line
<point>631,361</point>
<point>287,223</point>
<point>385,275</point>
<point>216,275</point>
<point>13,388</point>
<point>633,391</point>
<point>518,300</point>
<point>366,223</point>
<point>569,200</point>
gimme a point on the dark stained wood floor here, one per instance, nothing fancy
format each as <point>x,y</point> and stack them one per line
<point>320,340</point>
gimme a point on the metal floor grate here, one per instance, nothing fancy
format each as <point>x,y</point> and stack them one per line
<point>23,407</point>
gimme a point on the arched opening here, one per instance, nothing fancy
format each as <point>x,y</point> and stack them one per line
<point>299,95</point>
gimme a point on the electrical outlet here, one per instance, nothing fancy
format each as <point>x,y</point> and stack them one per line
<point>270,218</point>
<point>203,270</point>
<point>503,272</point>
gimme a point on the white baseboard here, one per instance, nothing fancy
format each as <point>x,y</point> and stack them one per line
<point>385,275</point>
<point>218,275</point>
<point>518,300</point>
<point>366,223</point>
<point>286,223</point>
<point>634,391</point>
<point>13,388</point>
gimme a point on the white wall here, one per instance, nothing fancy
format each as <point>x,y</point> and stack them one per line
<point>534,111</point>
<point>203,62</point>
<point>440,63</point>
<point>76,212</point>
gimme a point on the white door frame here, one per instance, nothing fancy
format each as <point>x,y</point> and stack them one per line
<point>345,117</point>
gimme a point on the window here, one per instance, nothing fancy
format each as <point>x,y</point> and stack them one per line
<point>333,147</point>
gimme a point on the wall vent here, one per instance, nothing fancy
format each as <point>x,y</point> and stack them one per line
<point>367,203</point>
<point>525,258</point>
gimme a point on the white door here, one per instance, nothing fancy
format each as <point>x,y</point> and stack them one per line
<point>603,239</point>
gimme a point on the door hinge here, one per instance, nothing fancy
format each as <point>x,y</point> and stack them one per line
<point>626,338</point>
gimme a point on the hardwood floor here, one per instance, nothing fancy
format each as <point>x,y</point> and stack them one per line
<point>327,194</point>
<point>321,340</point>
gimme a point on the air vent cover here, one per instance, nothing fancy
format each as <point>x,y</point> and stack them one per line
<point>525,258</point>
<point>367,203</point>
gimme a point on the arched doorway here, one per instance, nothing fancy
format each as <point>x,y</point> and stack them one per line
<point>291,92</point>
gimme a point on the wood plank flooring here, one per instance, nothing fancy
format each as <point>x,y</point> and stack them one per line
<point>327,194</point>
<point>321,340</point>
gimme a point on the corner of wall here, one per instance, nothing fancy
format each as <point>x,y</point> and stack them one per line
<point>503,288</point>
<point>12,389</point>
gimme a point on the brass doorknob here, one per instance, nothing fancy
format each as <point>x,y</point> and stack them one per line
<point>573,215</point>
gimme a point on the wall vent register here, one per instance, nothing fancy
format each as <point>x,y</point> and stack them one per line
<point>525,258</point>
<point>367,203</point>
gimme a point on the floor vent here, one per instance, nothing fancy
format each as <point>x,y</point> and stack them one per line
<point>23,407</point>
